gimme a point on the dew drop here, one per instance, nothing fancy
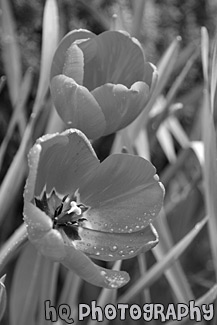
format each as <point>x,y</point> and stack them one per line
<point>97,253</point>
<point>113,248</point>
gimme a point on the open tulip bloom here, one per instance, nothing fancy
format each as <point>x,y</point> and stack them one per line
<point>100,84</point>
<point>76,207</point>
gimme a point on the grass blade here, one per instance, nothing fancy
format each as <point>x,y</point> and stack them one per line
<point>205,53</point>
<point>50,39</point>
<point>25,288</point>
<point>208,298</point>
<point>19,110</point>
<point>210,154</point>
<point>213,75</point>
<point>10,51</point>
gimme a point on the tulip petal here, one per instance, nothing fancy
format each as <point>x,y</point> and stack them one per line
<point>123,193</point>
<point>118,60</point>
<point>87,270</point>
<point>60,162</point>
<point>40,231</point>
<point>66,42</point>
<point>77,107</point>
<point>113,246</point>
<point>121,105</point>
<point>74,64</point>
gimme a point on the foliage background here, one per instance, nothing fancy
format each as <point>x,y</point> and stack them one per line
<point>161,23</point>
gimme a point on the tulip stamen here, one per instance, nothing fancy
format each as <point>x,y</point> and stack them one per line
<point>68,215</point>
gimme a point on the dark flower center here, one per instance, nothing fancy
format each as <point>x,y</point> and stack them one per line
<point>66,214</point>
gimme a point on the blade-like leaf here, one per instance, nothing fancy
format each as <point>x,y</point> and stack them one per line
<point>208,298</point>
<point>210,153</point>
<point>166,141</point>
<point>25,288</point>
<point>210,173</point>
<point>19,110</point>
<point>11,246</point>
<point>10,51</point>
<point>3,296</point>
<point>213,75</point>
<point>14,177</point>
<point>175,275</point>
<point>49,43</point>
<point>205,52</point>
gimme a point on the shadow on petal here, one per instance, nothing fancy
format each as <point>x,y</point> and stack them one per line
<point>118,60</point>
<point>63,160</point>
<point>66,42</point>
<point>77,107</point>
<point>121,105</point>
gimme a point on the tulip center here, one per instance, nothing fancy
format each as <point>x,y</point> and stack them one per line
<point>67,214</point>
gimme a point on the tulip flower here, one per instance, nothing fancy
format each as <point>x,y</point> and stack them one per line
<point>77,208</point>
<point>100,84</point>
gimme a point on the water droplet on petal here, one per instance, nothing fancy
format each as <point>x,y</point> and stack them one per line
<point>113,248</point>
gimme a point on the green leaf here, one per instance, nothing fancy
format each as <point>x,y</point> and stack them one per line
<point>25,288</point>
<point>50,38</point>
<point>205,52</point>
<point>3,296</point>
<point>19,110</point>
<point>10,51</point>
<point>213,75</point>
<point>208,298</point>
<point>210,172</point>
